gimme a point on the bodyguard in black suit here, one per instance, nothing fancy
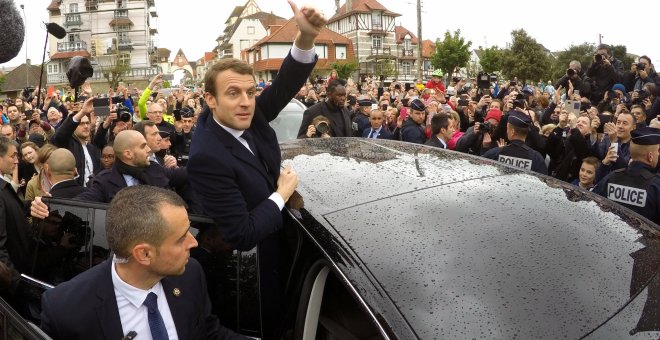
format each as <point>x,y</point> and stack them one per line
<point>150,265</point>
<point>441,131</point>
<point>377,130</point>
<point>234,163</point>
<point>60,170</point>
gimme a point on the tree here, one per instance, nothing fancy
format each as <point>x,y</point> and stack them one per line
<point>166,84</point>
<point>525,59</point>
<point>583,53</point>
<point>344,70</point>
<point>451,53</point>
<point>621,52</point>
<point>490,59</point>
<point>2,81</point>
<point>114,73</point>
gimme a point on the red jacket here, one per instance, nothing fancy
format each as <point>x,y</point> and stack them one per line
<point>433,85</point>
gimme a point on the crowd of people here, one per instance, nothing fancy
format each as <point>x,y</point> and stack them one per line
<point>586,128</point>
<point>596,129</point>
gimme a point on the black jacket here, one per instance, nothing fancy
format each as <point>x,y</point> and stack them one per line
<point>340,120</point>
<point>66,189</point>
<point>16,242</point>
<point>63,138</point>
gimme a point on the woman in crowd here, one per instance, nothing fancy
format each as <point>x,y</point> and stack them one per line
<point>39,184</point>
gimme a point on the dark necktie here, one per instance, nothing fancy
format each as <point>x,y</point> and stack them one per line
<point>371,135</point>
<point>250,140</point>
<point>156,323</point>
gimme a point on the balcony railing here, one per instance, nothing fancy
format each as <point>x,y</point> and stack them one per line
<point>138,72</point>
<point>377,25</point>
<point>381,51</point>
<point>72,19</point>
<point>228,53</point>
<point>407,52</point>
<point>57,78</point>
<point>121,13</point>
<point>71,46</point>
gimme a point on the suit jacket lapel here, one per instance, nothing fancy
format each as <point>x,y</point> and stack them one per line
<point>237,149</point>
<point>177,308</point>
<point>106,308</point>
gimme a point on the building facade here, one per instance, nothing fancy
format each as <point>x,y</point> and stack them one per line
<point>119,37</point>
<point>380,46</point>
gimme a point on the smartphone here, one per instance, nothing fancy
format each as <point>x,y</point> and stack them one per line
<point>604,119</point>
<point>615,147</point>
<point>573,106</point>
<point>384,107</point>
<point>374,107</point>
<point>380,92</point>
<point>463,102</point>
<point>101,107</point>
<point>576,92</point>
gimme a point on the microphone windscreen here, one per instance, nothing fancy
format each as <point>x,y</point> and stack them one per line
<point>56,30</point>
<point>13,31</point>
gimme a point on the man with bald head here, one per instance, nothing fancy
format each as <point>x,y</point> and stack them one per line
<point>132,167</point>
<point>60,169</point>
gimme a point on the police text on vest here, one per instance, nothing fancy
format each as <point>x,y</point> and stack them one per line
<point>626,195</point>
<point>517,162</point>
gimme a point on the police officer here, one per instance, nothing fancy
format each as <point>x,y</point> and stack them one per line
<point>518,153</point>
<point>361,120</point>
<point>412,129</point>
<point>637,186</point>
<point>184,133</point>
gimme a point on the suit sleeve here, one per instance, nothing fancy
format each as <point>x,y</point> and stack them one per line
<point>4,254</point>
<point>290,78</point>
<point>221,198</point>
<point>63,136</point>
<point>47,317</point>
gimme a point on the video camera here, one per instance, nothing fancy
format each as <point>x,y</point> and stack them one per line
<point>123,113</point>
<point>484,80</point>
<point>27,93</point>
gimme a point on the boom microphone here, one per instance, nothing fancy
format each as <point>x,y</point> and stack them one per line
<point>13,31</point>
<point>56,30</point>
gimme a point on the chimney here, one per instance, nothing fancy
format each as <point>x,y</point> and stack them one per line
<point>349,5</point>
<point>336,6</point>
<point>28,62</point>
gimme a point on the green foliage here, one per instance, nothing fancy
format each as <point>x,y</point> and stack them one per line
<point>114,73</point>
<point>166,84</point>
<point>451,53</point>
<point>2,81</point>
<point>525,59</point>
<point>582,53</point>
<point>621,52</point>
<point>344,70</point>
<point>490,59</point>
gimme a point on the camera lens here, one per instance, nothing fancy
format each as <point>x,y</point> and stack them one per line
<point>570,72</point>
<point>599,57</point>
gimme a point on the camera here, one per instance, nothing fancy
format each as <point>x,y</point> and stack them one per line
<point>484,79</point>
<point>123,113</point>
<point>486,127</point>
<point>598,57</point>
<point>640,66</point>
<point>570,72</point>
<point>27,93</point>
<point>455,79</point>
<point>74,225</point>
<point>641,95</point>
<point>322,128</point>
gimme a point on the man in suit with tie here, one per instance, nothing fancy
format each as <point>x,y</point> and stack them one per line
<point>441,131</point>
<point>151,287</point>
<point>234,161</point>
<point>376,130</point>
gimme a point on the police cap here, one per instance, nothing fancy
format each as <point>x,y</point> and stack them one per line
<point>645,136</point>
<point>519,119</point>
<point>365,102</point>
<point>417,105</point>
<point>164,134</point>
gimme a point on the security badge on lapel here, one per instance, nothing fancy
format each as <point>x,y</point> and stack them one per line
<point>626,195</point>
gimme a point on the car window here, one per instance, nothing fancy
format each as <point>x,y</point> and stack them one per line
<point>13,326</point>
<point>288,121</point>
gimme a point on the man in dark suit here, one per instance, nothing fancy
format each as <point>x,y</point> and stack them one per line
<point>16,242</point>
<point>74,134</point>
<point>334,108</point>
<point>234,161</point>
<point>377,130</point>
<point>441,131</point>
<point>150,287</point>
<point>60,170</point>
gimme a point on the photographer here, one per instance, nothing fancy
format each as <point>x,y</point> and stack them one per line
<point>604,72</point>
<point>334,109</point>
<point>640,74</point>
<point>319,128</point>
<point>118,120</point>
<point>577,77</point>
<point>478,138</point>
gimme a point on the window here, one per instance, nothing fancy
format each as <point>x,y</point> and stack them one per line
<point>73,8</point>
<point>244,44</point>
<point>73,37</point>
<point>376,41</point>
<point>250,29</point>
<point>376,20</point>
<point>406,67</point>
<point>406,42</point>
<point>53,68</point>
<point>122,28</point>
<point>340,52</point>
<point>124,59</point>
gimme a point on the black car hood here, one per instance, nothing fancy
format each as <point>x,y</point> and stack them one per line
<point>465,247</point>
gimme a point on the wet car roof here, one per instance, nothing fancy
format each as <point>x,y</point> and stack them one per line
<point>466,247</point>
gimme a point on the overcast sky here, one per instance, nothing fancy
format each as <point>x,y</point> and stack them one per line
<point>193,25</point>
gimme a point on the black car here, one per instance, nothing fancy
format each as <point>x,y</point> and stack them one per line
<point>391,240</point>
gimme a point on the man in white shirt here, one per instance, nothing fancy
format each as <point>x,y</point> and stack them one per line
<point>151,288</point>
